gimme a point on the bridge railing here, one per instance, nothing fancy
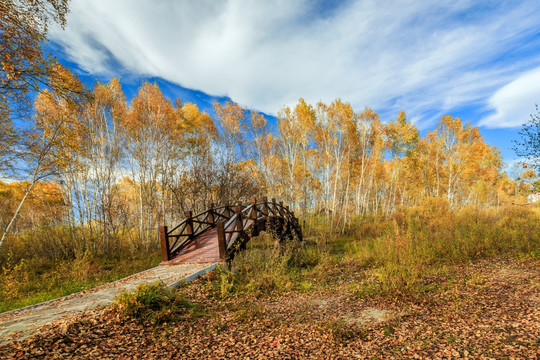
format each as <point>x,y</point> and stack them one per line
<point>234,226</point>
<point>180,236</point>
<point>248,219</point>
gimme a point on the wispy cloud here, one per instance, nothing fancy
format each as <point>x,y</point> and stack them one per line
<point>515,101</point>
<point>424,57</point>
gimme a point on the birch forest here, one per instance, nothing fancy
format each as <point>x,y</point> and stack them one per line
<point>98,170</point>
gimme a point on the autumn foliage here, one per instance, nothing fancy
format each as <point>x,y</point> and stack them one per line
<point>123,168</point>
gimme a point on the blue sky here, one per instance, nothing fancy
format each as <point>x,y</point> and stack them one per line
<point>479,60</point>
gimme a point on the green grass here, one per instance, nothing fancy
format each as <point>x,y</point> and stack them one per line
<point>33,281</point>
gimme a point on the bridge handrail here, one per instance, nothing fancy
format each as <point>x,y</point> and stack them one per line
<point>202,225</point>
<point>277,209</point>
<point>238,217</point>
<point>199,214</point>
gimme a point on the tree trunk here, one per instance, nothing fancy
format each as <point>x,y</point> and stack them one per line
<point>17,212</point>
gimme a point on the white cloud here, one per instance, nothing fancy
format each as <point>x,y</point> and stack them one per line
<point>514,102</point>
<point>412,55</point>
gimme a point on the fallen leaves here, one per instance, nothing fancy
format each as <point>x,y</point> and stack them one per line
<point>497,317</point>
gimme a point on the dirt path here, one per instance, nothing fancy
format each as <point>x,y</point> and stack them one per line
<point>19,324</point>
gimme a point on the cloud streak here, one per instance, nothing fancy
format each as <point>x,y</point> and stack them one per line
<point>515,101</point>
<point>424,58</point>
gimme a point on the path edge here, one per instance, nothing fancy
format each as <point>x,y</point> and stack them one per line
<point>175,284</point>
<point>97,287</point>
<point>195,275</point>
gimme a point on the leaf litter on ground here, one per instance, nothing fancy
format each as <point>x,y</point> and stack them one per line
<point>486,309</point>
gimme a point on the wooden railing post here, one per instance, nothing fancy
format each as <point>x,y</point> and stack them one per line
<point>274,205</point>
<point>211,218</point>
<point>227,210</point>
<point>221,240</point>
<point>253,213</point>
<point>265,206</point>
<point>189,224</point>
<point>253,216</point>
<point>281,208</point>
<point>164,242</point>
<point>239,220</point>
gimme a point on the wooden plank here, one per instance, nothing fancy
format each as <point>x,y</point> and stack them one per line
<point>204,249</point>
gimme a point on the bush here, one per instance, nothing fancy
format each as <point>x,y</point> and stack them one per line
<point>265,267</point>
<point>154,303</point>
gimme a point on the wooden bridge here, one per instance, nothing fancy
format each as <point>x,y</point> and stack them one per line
<point>218,233</point>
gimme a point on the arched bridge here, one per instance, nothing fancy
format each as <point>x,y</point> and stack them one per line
<point>220,232</point>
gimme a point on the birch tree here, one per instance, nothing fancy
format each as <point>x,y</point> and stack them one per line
<point>55,120</point>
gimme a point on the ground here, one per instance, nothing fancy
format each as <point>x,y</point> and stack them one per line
<point>18,324</point>
<point>485,309</point>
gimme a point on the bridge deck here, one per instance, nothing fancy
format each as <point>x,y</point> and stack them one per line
<point>204,249</point>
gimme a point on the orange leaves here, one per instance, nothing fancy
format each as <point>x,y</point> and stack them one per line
<point>109,96</point>
<point>230,117</point>
<point>482,309</point>
<point>152,113</point>
<point>297,125</point>
<point>66,85</point>
<point>57,118</point>
<point>232,121</point>
<point>258,122</point>
<point>45,202</point>
<point>24,66</point>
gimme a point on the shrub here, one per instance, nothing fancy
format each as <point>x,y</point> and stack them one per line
<point>154,303</point>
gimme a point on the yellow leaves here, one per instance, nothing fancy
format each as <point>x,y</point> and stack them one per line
<point>340,112</point>
<point>368,115</point>
<point>298,125</point>
<point>456,160</point>
<point>64,81</point>
<point>529,174</point>
<point>198,127</point>
<point>24,67</point>
<point>191,112</point>
<point>108,96</point>
<point>231,118</point>
<point>258,121</point>
<point>305,114</point>
<point>249,167</point>
<point>152,116</point>
<point>45,199</point>
<point>402,136</point>
<point>197,122</point>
